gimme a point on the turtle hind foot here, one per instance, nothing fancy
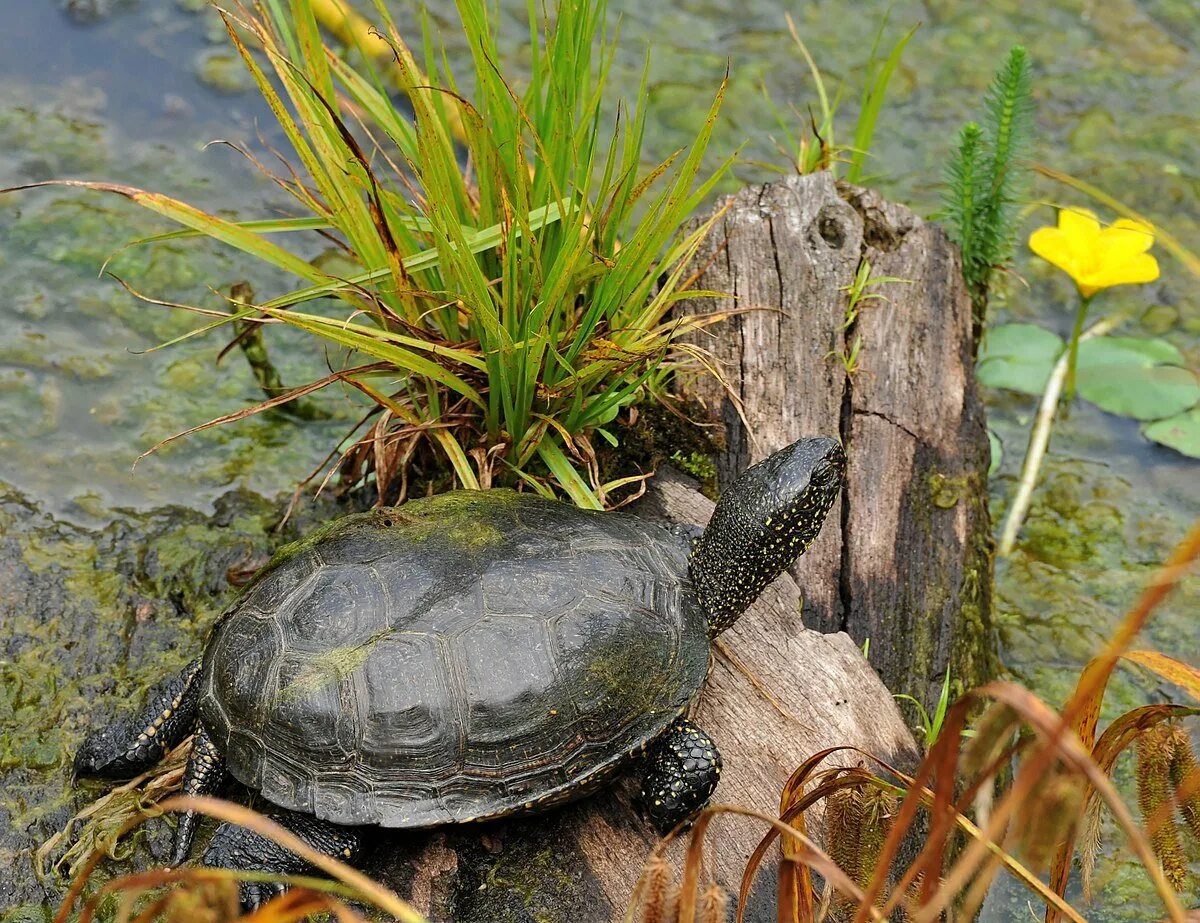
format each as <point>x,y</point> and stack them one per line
<point>682,771</point>
<point>243,850</point>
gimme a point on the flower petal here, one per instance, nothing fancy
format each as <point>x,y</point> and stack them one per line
<point>1140,268</point>
<point>1125,238</point>
<point>1052,245</point>
<point>1080,224</point>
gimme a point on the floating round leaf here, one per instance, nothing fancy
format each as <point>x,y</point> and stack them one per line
<point>1136,378</point>
<point>1018,357</point>
<point>1180,432</point>
<point>1133,350</point>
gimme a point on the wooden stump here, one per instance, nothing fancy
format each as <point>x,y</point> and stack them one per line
<point>910,568</point>
<point>579,864</point>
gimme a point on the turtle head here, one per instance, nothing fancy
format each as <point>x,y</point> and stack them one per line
<point>763,522</point>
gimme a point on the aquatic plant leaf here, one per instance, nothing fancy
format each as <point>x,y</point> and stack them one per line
<point>880,74</point>
<point>1018,357</point>
<point>1128,350</point>
<point>1127,380</point>
<point>1180,432</point>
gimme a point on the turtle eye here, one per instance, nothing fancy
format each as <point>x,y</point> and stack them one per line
<point>827,475</point>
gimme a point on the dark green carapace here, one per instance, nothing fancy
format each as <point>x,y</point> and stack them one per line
<point>454,659</point>
<point>469,656</point>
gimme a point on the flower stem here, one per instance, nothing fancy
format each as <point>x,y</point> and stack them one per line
<point>1039,441</point>
<point>1085,302</point>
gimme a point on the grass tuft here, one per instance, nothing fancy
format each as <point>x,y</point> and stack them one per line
<point>514,262</point>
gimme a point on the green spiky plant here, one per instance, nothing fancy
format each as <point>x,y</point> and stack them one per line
<point>513,262</point>
<point>985,178</point>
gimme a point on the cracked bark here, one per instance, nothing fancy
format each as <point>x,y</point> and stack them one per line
<point>911,567</point>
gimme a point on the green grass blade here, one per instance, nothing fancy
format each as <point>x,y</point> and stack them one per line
<point>872,105</point>
<point>562,469</point>
<point>405,360</point>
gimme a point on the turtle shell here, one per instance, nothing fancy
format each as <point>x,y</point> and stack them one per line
<point>461,657</point>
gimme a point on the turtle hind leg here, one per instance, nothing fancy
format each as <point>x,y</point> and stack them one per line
<point>682,771</point>
<point>239,849</point>
<point>204,775</point>
<point>133,745</point>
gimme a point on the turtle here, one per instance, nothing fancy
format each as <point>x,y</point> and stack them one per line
<point>469,656</point>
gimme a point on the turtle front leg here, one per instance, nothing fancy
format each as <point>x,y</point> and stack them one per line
<point>682,771</point>
<point>204,775</point>
<point>131,746</point>
<point>239,849</point>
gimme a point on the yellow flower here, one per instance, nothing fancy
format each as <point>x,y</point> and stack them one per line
<point>1097,257</point>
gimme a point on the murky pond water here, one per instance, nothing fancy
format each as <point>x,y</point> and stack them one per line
<point>135,92</point>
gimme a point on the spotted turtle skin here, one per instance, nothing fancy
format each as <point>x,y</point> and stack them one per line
<point>463,657</point>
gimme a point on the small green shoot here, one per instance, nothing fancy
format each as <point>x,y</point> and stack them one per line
<point>858,296</point>
<point>818,149</point>
<point>931,725</point>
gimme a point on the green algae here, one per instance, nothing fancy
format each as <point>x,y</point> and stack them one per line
<point>93,618</point>
<point>330,667</point>
<point>224,72</point>
<point>534,879</point>
<point>460,520</point>
<point>945,492</point>
<point>528,877</point>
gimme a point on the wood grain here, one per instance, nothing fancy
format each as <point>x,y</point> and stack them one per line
<point>910,568</point>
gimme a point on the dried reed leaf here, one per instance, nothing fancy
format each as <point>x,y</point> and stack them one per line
<point>659,900</point>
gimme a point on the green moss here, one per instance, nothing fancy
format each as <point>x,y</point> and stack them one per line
<point>28,913</point>
<point>330,667</point>
<point>535,880</point>
<point>92,618</point>
<point>699,465</point>
<point>659,436</point>
<point>458,518</point>
<point>945,492</point>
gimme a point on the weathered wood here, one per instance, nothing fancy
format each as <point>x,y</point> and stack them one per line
<point>910,566</point>
<point>580,864</point>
